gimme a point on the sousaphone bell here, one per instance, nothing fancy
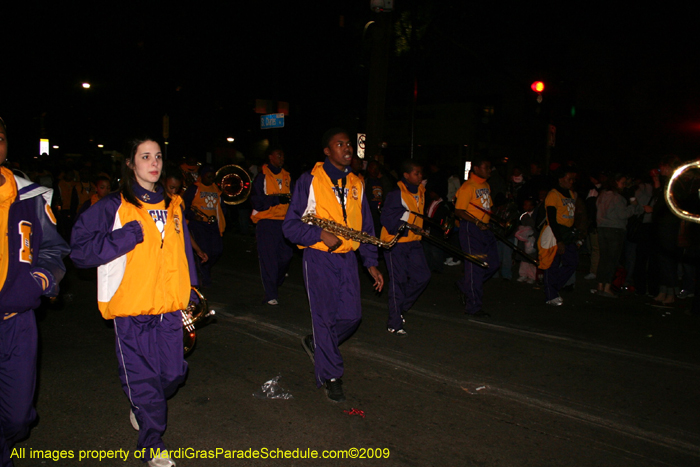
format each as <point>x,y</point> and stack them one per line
<point>670,198</point>
<point>234,183</point>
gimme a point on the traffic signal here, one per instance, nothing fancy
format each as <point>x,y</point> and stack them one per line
<point>537,86</point>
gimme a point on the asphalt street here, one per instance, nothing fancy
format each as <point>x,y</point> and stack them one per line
<point>595,382</point>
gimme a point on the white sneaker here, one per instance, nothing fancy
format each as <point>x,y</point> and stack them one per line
<point>555,302</point>
<point>398,332</point>
<point>273,302</point>
<point>522,279</point>
<point>589,277</point>
<point>162,461</point>
<point>134,422</point>
<point>451,262</point>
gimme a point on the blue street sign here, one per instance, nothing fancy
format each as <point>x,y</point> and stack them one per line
<point>271,121</point>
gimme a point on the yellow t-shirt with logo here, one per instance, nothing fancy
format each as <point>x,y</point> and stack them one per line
<point>475,193</point>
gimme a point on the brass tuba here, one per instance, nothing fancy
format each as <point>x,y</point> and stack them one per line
<point>194,313</point>
<point>671,201</point>
<point>234,183</point>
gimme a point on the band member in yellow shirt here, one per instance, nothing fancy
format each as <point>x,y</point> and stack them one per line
<point>205,196</point>
<point>558,254</point>
<point>471,207</point>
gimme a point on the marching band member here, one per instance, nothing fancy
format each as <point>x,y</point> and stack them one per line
<point>408,269</point>
<point>31,265</point>
<point>332,192</point>
<point>138,238</point>
<point>269,209</point>
<point>473,203</point>
<point>173,185</point>
<point>102,187</point>
<point>557,243</point>
<point>203,202</point>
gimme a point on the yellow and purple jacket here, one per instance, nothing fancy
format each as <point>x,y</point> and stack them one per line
<point>31,250</point>
<point>268,183</point>
<point>143,254</point>
<point>317,192</point>
<point>397,209</point>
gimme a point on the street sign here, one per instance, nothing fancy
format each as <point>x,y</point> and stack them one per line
<point>361,137</point>
<point>271,121</point>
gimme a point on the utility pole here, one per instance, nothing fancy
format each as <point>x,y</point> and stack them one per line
<point>379,32</point>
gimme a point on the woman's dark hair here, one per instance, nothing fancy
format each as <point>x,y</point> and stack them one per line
<point>129,177</point>
<point>611,183</point>
<point>173,171</point>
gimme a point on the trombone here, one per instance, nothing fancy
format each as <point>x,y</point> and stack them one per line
<point>671,200</point>
<point>503,238</point>
<point>476,259</point>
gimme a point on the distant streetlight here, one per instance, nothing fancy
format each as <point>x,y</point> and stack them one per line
<point>86,85</point>
<point>100,145</point>
<point>230,139</point>
<point>55,146</point>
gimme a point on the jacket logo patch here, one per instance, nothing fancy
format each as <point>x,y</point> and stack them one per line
<point>25,250</point>
<point>176,222</point>
<point>354,193</point>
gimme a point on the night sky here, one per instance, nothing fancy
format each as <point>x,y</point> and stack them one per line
<point>631,74</point>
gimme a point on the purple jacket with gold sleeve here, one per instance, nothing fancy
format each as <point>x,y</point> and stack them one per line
<point>35,250</point>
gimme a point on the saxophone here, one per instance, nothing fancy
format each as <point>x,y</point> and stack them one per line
<point>348,233</point>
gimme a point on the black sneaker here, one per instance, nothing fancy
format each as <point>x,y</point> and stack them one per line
<point>308,343</point>
<point>334,390</point>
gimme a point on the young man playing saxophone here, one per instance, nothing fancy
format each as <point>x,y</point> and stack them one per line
<point>331,191</point>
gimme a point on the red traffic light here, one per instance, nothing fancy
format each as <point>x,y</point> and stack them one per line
<point>537,86</point>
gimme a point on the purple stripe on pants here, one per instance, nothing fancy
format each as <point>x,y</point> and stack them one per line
<point>561,270</point>
<point>408,277</point>
<point>18,350</point>
<point>475,241</point>
<point>274,253</point>
<point>333,286</point>
<point>151,367</point>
